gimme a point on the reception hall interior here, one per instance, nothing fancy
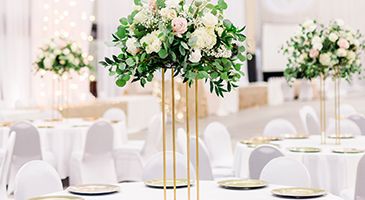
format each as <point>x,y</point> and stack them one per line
<point>182,99</point>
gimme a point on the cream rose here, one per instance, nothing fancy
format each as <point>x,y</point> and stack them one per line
<point>209,20</point>
<point>66,51</point>
<point>342,43</point>
<point>325,59</point>
<point>53,45</point>
<point>172,3</point>
<point>48,62</point>
<point>135,7</point>
<point>154,47</point>
<point>316,39</point>
<point>317,46</point>
<point>152,4</point>
<point>167,13</point>
<point>341,52</point>
<point>57,51</point>
<point>130,46</point>
<point>179,25</point>
<point>195,56</point>
<point>351,55</point>
<point>219,30</point>
<point>340,22</point>
<point>298,34</point>
<point>140,17</point>
<point>308,23</point>
<point>333,37</point>
<point>314,53</point>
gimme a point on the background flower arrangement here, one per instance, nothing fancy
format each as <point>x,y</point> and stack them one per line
<point>60,55</point>
<point>194,39</point>
<point>317,49</point>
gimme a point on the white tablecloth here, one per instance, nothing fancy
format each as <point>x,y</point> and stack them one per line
<point>209,190</point>
<point>330,171</point>
<point>21,114</point>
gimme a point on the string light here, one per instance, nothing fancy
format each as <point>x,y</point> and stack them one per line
<point>83,97</point>
<point>55,11</point>
<point>84,54</point>
<point>56,33</point>
<point>92,78</point>
<point>66,34</point>
<point>43,94</point>
<point>92,18</point>
<point>72,24</point>
<point>82,78</point>
<point>56,21</point>
<point>64,77</point>
<point>90,38</point>
<point>54,76</point>
<point>65,13</point>
<point>45,28</point>
<point>90,58</point>
<point>46,6</point>
<point>56,1</point>
<point>43,72</point>
<point>85,74</point>
<point>72,3</point>
<point>45,19</point>
<point>62,17</point>
<point>42,85</point>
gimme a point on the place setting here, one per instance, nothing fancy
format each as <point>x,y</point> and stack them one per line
<point>242,184</point>
<point>159,183</point>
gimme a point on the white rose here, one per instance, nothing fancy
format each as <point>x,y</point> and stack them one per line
<point>70,58</point>
<point>325,59</point>
<point>130,46</point>
<point>135,7</point>
<point>340,22</point>
<point>308,23</point>
<point>77,62</point>
<point>57,51</point>
<point>219,30</point>
<point>74,47</point>
<point>172,3</point>
<point>312,28</point>
<point>318,46</point>
<point>48,62</point>
<point>209,20</point>
<point>141,16</point>
<point>154,47</point>
<point>358,62</point>
<point>341,52</point>
<point>333,37</point>
<point>47,41</point>
<point>356,43</point>
<point>40,55</point>
<point>66,51</point>
<point>62,62</point>
<point>53,45</point>
<point>351,55</point>
<point>301,58</point>
<point>195,56</point>
<point>206,38</point>
<point>52,56</point>
<point>298,34</point>
<point>168,13</point>
<point>316,39</point>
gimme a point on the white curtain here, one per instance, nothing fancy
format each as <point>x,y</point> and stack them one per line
<point>109,13</point>
<point>15,62</point>
<point>287,7</point>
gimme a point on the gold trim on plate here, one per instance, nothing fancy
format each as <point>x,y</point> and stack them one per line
<point>299,192</point>
<point>45,126</point>
<point>348,150</point>
<point>242,183</point>
<point>272,138</point>
<point>295,136</point>
<point>5,124</point>
<point>254,145</point>
<point>57,198</point>
<point>93,189</point>
<point>159,183</point>
<point>248,141</point>
<point>342,136</point>
<point>304,149</point>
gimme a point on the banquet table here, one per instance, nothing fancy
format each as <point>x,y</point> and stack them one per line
<point>21,114</point>
<point>330,171</point>
<point>208,190</point>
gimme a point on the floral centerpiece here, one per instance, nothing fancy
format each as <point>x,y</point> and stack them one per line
<point>195,39</point>
<point>60,55</point>
<point>319,49</point>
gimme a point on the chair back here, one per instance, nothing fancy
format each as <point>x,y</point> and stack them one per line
<point>19,104</point>
<point>306,90</point>
<point>99,139</point>
<point>153,137</point>
<point>6,164</point>
<point>346,127</point>
<point>360,180</point>
<point>205,168</point>
<point>310,120</point>
<point>259,157</point>
<point>51,114</point>
<point>182,141</point>
<point>36,178</point>
<point>359,119</point>
<point>347,109</point>
<point>286,171</point>
<point>154,167</point>
<point>2,118</point>
<point>278,127</point>
<point>115,114</point>
<point>218,142</point>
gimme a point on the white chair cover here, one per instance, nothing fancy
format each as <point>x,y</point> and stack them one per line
<point>359,119</point>
<point>2,118</point>
<point>274,91</point>
<point>205,168</point>
<point>310,120</point>
<point>359,192</point>
<point>306,90</point>
<point>279,126</point>
<point>27,147</point>
<point>153,137</point>
<point>182,141</point>
<point>286,171</point>
<point>50,114</point>
<point>347,109</point>
<point>288,91</point>
<point>346,127</point>
<point>259,157</point>
<point>36,178</point>
<point>5,165</point>
<point>96,163</point>
<point>19,104</point>
<point>154,167</point>
<point>115,114</point>
<point>218,142</point>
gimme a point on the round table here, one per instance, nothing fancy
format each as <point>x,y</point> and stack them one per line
<point>330,171</point>
<point>209,190</point>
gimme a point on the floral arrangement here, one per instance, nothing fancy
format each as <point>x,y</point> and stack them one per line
<point>318,49</point>
<point>195,39</point>
<point>60,55</point>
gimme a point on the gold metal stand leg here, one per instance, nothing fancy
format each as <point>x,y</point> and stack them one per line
<point>173,127</point>
<point>164,132</point>
<point>197,136</point>
<point>188,136</point>
<point>320,104</point>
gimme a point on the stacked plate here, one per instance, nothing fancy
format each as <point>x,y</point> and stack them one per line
<point>299,192</point>
<point>242,183</point>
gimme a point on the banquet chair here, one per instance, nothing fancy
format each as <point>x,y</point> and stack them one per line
<point>2,118</point>
<point>306,90</point>
<point>5,165</point>
<point>357,193</point>
<point>27,147</point>
<point>274,91</point>
<point>310,120</point>
<point>288,91</point>
<point>359,119</point>
<point>2,105</point>
<point>118,115</point>
<point>205,168</point>
<point>182,141</point>
<point>154,167</point>
<point>286,171</point>
<point>19,104</point>
<point>50,114</point>
<point>96,163</point>
<point>347,109</point>
<point>346,127</point>
<point>218,142</point>
<point>278,127</point>
<point>259,157</point>
<point>36,178</point>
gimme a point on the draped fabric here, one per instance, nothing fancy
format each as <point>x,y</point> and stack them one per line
<point>287,7</point>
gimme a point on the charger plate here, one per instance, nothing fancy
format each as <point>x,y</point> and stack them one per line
<point>248,141</point>
<point>45,126</point>
<point>299,192</point>
<point>271,138</point>
<point>93,189</point>
<point>254,145</point>
<point>57,198</point>
<point>342,136</point>
<point>90,118</point>
<point>242,183</point>
<point>52,120</point>
<point>348,150</point>
<point>5,124</point>
<point>159,183</point>
<point>304,149</point>
<point>295,136</point>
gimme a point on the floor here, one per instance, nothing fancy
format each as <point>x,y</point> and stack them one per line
<point>251,122</point>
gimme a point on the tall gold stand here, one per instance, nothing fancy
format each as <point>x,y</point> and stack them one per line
<point>337,105</point>
<point>164,132</point>
<point>197,136</point>
<point>322,97</point>
<point>188,136</point>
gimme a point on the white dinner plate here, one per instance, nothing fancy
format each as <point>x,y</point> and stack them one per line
<point>57,198</point>
<point>299,192</point>
<point>93,189</point>
<point>159,183</point>
<point>243,183</point>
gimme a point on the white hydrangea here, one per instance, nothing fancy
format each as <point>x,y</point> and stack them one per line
<point>172,3</point>
<point>333,37</point>
<point>130,46</point>
<point>209,20</point>
<point>341,52</point>
<point>222,52</point>
<point>48,62</point>
<point>325,59</point>
<point>206,38</point>
<point>141,16</point>
<point>153,42</point>
<point>316,39</point>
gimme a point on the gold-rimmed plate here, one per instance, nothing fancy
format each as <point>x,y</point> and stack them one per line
<point>299,192</point>
<point>52,120</point>
<point>340,117</point>
<point>45,126</point>
<point>304,149</point>
<point>93,189</point>
<point>159,183</point>
<point>248,141</point>
<point>254,145</point>
<point>271,138</point>
<point>57,198</point>
<point>114,121</point>
<point>242,183</point>
<point>295,136</point>
<point>348,150</point>
<point>80,125</point>
<point>342,136</point>
<point>90,118</point>
<point>5,124</point>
